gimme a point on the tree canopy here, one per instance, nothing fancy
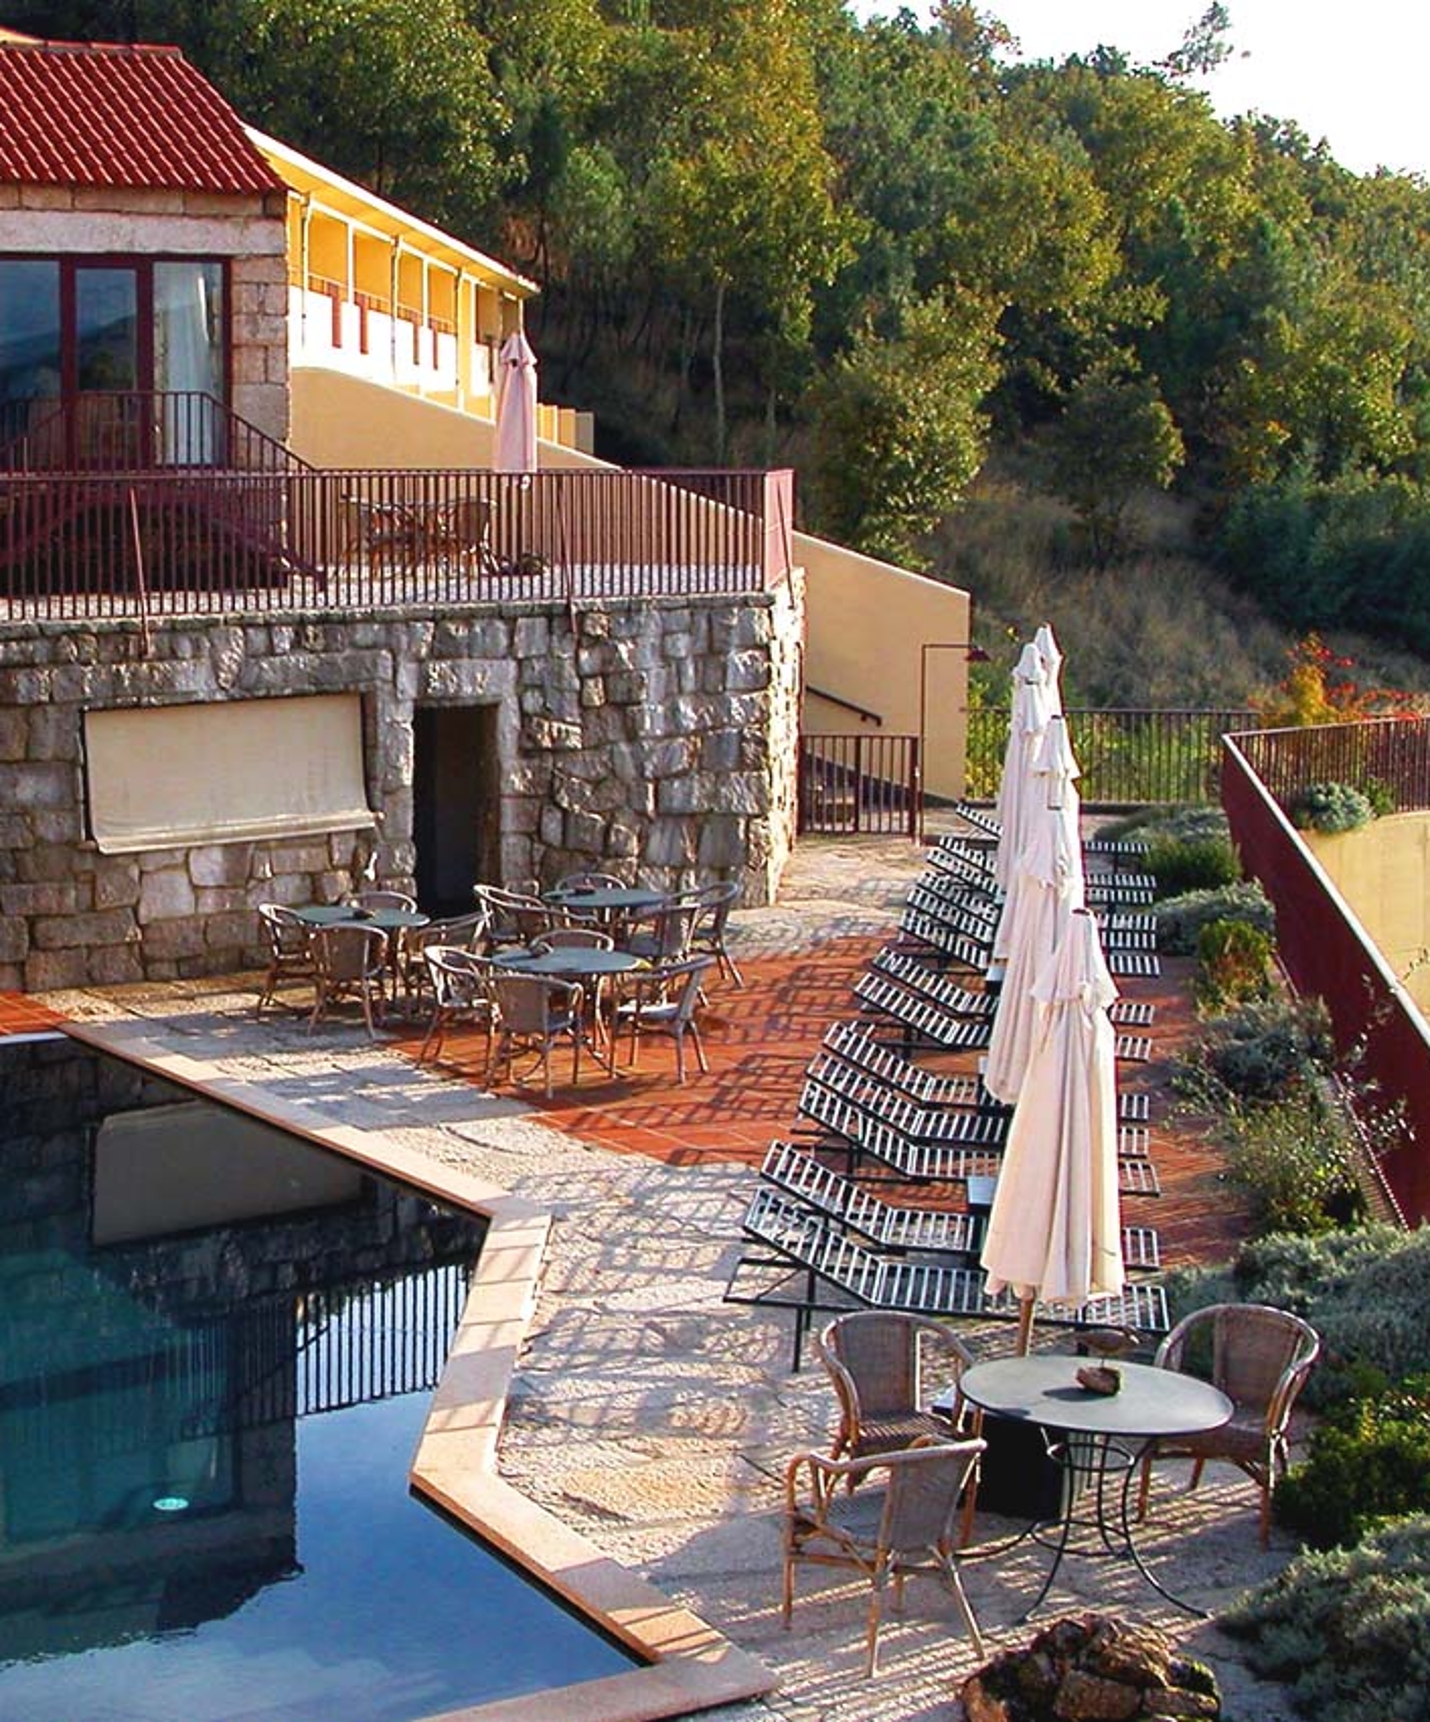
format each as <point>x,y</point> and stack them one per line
<point>768,231</point>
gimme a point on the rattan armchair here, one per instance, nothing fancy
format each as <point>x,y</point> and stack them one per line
<point>535,1013</point>
<point>664,999</point>
<point>460,983</point>
<point>1260,1358</point>
<point>915,1531</point>
<point>290,956</point>
<point>349,962</point>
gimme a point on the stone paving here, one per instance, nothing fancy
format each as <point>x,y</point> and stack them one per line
<point>656,1418</point>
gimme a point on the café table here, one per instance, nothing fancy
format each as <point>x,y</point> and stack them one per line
<point>611,906</point>
<point>573,963</point>
<point>1094,1439</point>
<point>391,922</point>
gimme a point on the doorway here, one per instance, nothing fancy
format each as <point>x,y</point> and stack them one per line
<point>456,805</point>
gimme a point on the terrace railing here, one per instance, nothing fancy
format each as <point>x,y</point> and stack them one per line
<point>1326,952</point>
<point>1130,756</point>
<point>1390,754</point>
<point>197,539</point>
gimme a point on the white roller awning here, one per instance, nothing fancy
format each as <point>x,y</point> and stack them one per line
<point>227,772</point>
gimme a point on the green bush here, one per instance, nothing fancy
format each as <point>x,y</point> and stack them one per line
<point>1368,1461</point>
<point>1329,807</point>
<point>1182,864</point>
<point>1349,1630</point>
<point>1365,1291</point>
<point>1235,963</point>
<point>1295,1161</point>
<point>1381,797</point>
<point>1180,919</point>
<point>1258,1052</point>
<point>1194,824</point>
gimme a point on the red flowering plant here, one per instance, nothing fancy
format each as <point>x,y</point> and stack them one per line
<point>1313,691</point>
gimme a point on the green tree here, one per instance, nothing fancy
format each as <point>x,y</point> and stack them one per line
<point>1115,438</point>
<point>899,429</point>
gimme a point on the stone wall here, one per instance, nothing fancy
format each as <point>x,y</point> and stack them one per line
<point>657,740</point>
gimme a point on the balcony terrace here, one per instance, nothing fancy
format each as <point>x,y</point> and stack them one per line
<point>137,504</point>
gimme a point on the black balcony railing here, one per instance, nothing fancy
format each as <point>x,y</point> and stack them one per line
<point>1130,757</point>
<point>195,539</point>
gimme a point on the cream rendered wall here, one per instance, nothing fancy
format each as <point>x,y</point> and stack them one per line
<point>875,633</point>
<point>1383,872</point>
<point>867,621</point>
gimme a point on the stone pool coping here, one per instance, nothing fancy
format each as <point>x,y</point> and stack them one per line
<point>689,1665</point>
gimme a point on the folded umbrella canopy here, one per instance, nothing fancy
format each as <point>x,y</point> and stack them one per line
<point>1027,725</point>
<point>516,406</point>
<point>1047,884</point>
<point>1054,1233</point>
<point>1051,655</point>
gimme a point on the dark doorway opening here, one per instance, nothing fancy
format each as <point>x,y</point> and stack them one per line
<point>456,824</point>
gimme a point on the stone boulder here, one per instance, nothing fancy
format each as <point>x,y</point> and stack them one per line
<point>1092,1668</point>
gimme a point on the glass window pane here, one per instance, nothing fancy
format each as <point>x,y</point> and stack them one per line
<point>188,357</point>
<point>29,341</point>
<point>106,328</point>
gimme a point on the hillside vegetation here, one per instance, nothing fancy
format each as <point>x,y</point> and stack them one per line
<point>884,251</point>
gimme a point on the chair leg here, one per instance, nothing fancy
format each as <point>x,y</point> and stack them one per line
<point>1144,1488</point>
<point>876,1599</point>
<point>1264,1522</point>
<point>699,1050</point>
<point>955,1583</point>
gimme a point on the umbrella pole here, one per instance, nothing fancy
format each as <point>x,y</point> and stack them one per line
<point>1025,1325</point>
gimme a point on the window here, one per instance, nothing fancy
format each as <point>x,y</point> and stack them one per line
<point>173,776</point>
<point>75,327</point>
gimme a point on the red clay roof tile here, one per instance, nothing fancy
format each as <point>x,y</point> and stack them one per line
<point>74,113</point>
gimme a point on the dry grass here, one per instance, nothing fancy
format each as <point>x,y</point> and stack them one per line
<point>1158,628</point>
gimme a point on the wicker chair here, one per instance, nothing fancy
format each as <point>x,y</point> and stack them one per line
<point>876,1360</point>
<point>460,982</point>
<point>349,962</point>
<point>664,1000</point>
<point>290,956</point>
<point>459,932</point>
<point>715,903</point>
<point>663,935</point>
<point>1260,1358</point>
<point>915,1529</point>
<point>535,1013</point>
<point>384,900</point>
<point>515,918</point>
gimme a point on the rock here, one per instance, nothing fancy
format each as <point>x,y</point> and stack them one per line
<point>1092,1668</point>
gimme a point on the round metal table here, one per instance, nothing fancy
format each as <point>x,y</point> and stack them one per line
<point>1115,1431</point>
<point>351,915</point>
<point>623,900</point>
<point>577,963</point>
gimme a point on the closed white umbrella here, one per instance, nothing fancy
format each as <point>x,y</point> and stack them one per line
<point>1028,722</point>
<point>1047,886</point>
<point>1051,656</point>
<point>1054,1233</point>
<point>516,406</point>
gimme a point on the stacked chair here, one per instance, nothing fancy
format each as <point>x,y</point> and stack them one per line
<point>876,1197</point>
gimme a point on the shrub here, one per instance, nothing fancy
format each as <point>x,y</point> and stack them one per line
<point>1194,823</point>
<point>1368,1461</point>
<point>1191,863</point>
<point>1365,1291</point>
<point>1180,919</point>
<point>1235,959</point>
<point>1348,1631</point>
<point>1295,1161</point>
<point>1258,1052</point>
<point>1329,807</point>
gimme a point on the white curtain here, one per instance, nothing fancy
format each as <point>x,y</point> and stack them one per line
<point>188,357</point>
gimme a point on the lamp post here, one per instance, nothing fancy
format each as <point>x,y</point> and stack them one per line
<point>972,655</point>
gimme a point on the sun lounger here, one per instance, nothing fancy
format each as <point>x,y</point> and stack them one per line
<point>813,1262</point>
<point>851,1045</point>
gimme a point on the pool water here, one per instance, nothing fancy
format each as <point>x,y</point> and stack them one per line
<point>217,1349</point>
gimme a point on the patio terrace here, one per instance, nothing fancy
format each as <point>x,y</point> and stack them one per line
<point>645,1414</point>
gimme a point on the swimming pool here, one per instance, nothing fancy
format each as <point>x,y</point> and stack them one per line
<point>217,1347</point>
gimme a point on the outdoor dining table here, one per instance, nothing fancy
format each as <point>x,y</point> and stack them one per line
<point>389,921</point>
<point>612,906</point>
<point>572,963</point>
<point>1093,1437</point>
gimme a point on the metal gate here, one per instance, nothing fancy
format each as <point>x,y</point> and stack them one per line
<point>860,783</point>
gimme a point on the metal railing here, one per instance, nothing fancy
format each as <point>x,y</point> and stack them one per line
<point>1389,754</point>
<point>1130,756</point>
<point>861,783</point>
<point>1326,953</point>
<point>135,430</point>
<point>194,540</point>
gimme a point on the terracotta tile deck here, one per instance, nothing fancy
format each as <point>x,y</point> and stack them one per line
<point>20,1014</point>
<point>758,1041</point>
